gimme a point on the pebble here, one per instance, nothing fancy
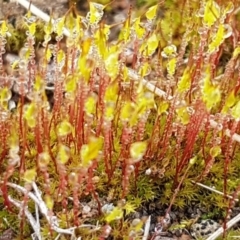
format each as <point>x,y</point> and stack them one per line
<point>204,228</point>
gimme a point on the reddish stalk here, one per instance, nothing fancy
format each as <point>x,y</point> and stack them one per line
<point>193,128</point>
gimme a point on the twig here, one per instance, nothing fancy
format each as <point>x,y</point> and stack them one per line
<point>36,11</point>
<point>214,190</point>
<point>53,221</point>
<point>146,229</point>
<point>29,216</point>
<point>217,233</point>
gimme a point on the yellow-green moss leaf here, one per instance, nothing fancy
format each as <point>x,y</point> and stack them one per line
<point>218,39</point>
<point>229,8</point>
<point>185,81</point>
<point>126,111</point>
<point>111,93</point>
<point>112,64</point>
<point>125,32</point>
<point>145,69</point>
<point>60,56</point>
<point>90,104</point>
<point>30,175</point>
<point>211,13</point>
<point>4,29</point>
<point>43,159</point>
<point>30,112</point>
<point>193,160</point>
<point>230,101</point>
<point>59,26</point>
<point>39,85</point>
<point>236,52</point>
<point>49,202</point>
<point>63,154</point>
<point>169,51</point>
<point>70,22</point>
<point>236,111</point>
<point>137,150</point>
<point>115,214</point>
<point>163,107</point>
<point>96,12</point>
<point>129,208</point>
<point>32,28</point>
<point>183,115</point>
<point>109,113</point>
<point>151,13</point>
<point>211,94</point>
<point>48,54</point>
<point>90,151</point>
<point>5,94</point>
<point>139,29</point>
<point>48,28</point>
<point>70,84</point>
<point>215,151</point>
<point>171,66</point>
<point>151,45</point>
<point>64,128</point>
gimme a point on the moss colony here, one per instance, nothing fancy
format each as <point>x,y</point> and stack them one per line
<point>93,130</point>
